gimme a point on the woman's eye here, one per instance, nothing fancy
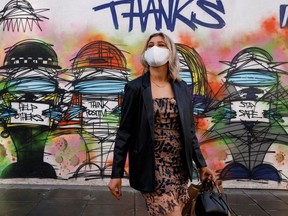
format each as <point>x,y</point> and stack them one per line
<point>150,45</point>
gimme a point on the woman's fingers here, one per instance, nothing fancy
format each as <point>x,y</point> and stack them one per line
<point>205,172</point>
<point>117,193</point>
<point>115,186</point>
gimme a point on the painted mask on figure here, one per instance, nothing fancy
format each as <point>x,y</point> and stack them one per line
<point>156,56</point>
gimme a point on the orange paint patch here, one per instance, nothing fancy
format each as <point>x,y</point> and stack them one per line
<point>135,66</point>
<point>285,32</point>
<point>96,37</point>
<point>187,39</point>
<point>202,124</point>
<point>215,84</point>
<point>270,25</point>
<point>225,50</point>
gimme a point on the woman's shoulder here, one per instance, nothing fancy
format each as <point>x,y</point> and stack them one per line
<point>181,83</point>
<point>136,82</point>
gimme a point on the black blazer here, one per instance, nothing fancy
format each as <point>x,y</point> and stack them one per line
<point>136,131</point>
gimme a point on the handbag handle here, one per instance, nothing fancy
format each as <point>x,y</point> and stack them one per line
<point>208,185</point>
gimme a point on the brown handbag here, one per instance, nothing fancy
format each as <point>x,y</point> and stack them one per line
<point>195,190</point>
<point>189,208</point>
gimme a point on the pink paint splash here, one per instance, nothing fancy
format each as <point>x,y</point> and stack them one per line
<point>215,155</point>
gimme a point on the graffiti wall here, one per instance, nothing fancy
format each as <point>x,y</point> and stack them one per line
<point>64,64</point>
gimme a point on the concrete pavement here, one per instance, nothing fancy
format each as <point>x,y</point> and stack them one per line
<point>72,200</point>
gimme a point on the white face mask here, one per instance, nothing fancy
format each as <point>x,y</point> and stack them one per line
<point>156,56</point>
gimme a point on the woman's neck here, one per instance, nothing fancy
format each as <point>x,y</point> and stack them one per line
<point>159,74</point>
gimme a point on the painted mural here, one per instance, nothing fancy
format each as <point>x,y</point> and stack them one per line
<point>64,65</point>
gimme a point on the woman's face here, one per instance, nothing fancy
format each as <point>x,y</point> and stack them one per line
<point>156,41</point>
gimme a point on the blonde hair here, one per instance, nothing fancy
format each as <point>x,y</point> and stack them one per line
<point>173,61</point>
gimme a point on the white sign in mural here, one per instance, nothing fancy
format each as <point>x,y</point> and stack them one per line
<point>98,108</point>
<point>30,113</point>
<point>247,110</point>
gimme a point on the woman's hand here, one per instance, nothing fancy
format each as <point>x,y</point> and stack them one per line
<point>206,172</point>
<point>115,186</point>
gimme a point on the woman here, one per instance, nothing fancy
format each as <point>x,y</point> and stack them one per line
<point>157,130</point>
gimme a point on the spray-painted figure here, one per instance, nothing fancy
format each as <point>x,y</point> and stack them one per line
<point>20,15</point>
<point>193,71</point>
<point>29,109</point>
<point>249,117</point>
<point>100,73</point>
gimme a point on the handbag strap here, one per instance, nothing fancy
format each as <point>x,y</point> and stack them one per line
<point>223,204</point>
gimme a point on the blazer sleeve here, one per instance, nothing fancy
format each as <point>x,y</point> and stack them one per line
<point>124,132</point>
<point>196,151</point>
<point>197,154</point>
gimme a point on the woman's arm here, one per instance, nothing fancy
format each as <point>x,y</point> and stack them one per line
<point>121,146</point>
<point>198,158</point>
<point>124,132</point>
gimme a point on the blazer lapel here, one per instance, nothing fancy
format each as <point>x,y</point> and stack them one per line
<point>148,101</point>
<point>179,96</point>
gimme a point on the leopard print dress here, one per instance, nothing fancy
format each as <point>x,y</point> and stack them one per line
<point>171,176</point>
